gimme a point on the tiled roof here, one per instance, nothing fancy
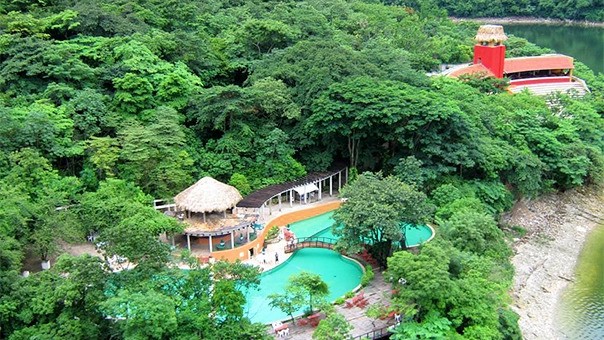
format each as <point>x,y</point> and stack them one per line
<point>472,69</point>
<point>543,62</point>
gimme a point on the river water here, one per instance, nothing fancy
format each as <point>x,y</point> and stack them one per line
<point>581,311</point>
<point>585,44</point>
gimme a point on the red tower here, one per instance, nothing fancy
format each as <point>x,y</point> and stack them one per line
<point>489,49</point>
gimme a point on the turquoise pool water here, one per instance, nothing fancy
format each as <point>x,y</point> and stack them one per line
<point>321,226</point>
<point>340,274</point>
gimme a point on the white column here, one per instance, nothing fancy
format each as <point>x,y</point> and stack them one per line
<point>204,216</point>
<point>291,198</point>
<point>346,173</point>
<point>331,185</point>
<point>232,240</point>
<point>247,233</point>
<point>279,201</point>
<point>211,245</point>
<point>320,189</point>
<point>189,242</point>
<point>225,214</point>
<point>340,180</point>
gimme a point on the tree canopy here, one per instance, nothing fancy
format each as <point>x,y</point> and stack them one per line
<point>374,212</point>
<point>106,105</point>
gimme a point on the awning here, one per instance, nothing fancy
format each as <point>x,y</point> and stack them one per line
<point>305,189</point>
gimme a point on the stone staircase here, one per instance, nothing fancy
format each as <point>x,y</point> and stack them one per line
<point>575,88</point>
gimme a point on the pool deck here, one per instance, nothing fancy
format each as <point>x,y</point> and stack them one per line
<point>377,292</point>
<point>279,247</point>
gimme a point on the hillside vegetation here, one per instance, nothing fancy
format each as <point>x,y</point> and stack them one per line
<point>105,105</point>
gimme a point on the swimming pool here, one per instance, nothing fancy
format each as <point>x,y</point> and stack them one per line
<point>321,226</point>
<point>341,275</point>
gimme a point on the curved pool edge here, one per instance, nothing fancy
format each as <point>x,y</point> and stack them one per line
<point>428,240</point>
<point>359,286</point>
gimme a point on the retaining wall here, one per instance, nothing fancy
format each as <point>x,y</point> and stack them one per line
<point>243,252</point>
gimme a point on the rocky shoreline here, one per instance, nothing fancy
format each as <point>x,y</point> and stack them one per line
<point>529,21</point>
<point>557,226</point>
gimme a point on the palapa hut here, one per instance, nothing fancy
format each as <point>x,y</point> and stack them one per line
<point>206,196</point>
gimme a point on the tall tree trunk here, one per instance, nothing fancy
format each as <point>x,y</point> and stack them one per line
<point>380,251</point>
<point>353,150</point>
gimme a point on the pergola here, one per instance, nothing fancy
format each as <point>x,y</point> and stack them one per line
<point>261,200</point>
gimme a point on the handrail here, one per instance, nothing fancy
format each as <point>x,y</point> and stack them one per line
<point>582,82</point>
<point>374,334</point>
<point>311,242</point>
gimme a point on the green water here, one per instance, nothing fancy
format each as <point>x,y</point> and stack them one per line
<point>340,274</point>
<point>585,44</point>
<point>320,226</point>
<point>582,309</point>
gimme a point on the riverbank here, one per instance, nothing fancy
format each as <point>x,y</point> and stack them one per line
<point>529,21</point>
<point>557,226</point>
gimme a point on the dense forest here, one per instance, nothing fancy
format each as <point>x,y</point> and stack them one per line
<point>105,105</point>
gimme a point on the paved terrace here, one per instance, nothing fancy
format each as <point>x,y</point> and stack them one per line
<point>377,292</point>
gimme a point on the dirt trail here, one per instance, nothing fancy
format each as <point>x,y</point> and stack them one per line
<point>557,226</point>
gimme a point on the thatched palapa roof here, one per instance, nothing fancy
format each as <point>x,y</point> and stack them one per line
<point>208,195</point>
<point>491,34</point>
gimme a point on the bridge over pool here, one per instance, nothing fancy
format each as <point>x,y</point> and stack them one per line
<point>310,242</point>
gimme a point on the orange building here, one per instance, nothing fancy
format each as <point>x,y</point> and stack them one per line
<point>540,75</point>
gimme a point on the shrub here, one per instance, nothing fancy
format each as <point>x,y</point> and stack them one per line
<point>349,295</point>
<point>367,276</point>
<point>339,301</point>
<point>519,231</point>
<point>272,232</point>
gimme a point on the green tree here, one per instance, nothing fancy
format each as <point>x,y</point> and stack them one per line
<point>426,278</point>
<point>333,327</point>
<point>135,238</point>
<point>62,302</point>
<point>240,182</point>
<point>103,154</point>
<point>263,35</point>
<point>433,326</point>
<point>142,315</point>
<point>309,284</point>
<point>475,232</point>
<point>373,212</point>
<point>289,302</point>
<point>153,155</point>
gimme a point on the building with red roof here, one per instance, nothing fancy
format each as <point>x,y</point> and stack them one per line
<point>540,75</point>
